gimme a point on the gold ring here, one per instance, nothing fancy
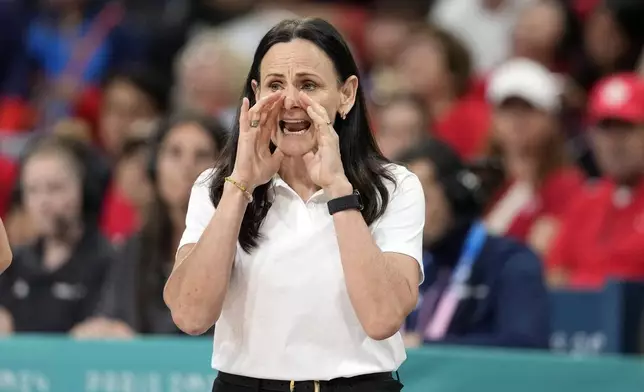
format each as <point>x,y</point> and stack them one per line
<point>254,124</point>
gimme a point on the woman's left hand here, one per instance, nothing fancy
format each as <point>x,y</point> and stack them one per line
<point>325,165</point>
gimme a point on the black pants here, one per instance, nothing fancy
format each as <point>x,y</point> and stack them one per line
<point>381,382</point>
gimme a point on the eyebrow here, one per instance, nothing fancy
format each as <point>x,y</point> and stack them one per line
<point>299,74</point>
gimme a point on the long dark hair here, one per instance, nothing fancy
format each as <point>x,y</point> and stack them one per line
<point>364,165</point>
<point>156,237</point>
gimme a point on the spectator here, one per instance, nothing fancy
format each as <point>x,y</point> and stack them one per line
<point>54,283</point>
<point>603,235</point>
<point>436,66</point>
<point>484,25</point>
<point>506,277</point>
<point>613,39</point>
<point>541,33</point>
<point>135,94</point>
<point>129,196</point>
<point>400,124</point>
<point>209,78</point>
<point>74,44</point>
<point>528,140</point>
<point>132,300</point>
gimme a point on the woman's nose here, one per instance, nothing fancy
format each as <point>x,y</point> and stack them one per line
<point>291,99</point>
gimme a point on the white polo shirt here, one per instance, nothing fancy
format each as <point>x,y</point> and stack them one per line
<point>287,313</point>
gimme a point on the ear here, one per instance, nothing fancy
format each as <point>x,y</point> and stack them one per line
<point>255,87</point>
<point>349,90</point>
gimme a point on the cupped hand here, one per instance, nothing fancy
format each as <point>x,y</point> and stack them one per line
<point>325,164</point>
<point>255,164</point>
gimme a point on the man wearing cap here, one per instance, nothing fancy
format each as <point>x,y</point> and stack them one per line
<point>603,235</point>
<point>540,181</point>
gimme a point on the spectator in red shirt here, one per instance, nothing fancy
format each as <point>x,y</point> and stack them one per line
<point>528,141</point>
<point>603,235</point>
<point>437,66</point>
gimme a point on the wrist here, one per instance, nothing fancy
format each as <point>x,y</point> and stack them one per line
<point>243,180</point>
<point>339,188</point>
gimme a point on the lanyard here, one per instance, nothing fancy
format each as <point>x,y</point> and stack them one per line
<point>472,247</point>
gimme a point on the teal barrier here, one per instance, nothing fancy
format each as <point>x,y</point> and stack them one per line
<point>41,364</point>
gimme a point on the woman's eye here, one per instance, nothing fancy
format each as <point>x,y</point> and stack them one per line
<point>274,86</point>
<point>309,86</point>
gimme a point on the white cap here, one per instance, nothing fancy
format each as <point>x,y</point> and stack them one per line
<point>528,80</point>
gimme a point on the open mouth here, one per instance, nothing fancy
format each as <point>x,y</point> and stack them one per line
<point>294,127</point>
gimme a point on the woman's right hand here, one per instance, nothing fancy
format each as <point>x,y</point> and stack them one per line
<point>255,164</point>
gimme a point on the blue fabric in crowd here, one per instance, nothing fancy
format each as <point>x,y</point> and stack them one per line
<point>508,302</point>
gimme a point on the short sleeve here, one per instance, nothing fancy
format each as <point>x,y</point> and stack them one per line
<point>200,209</point>
<point>400,229</point>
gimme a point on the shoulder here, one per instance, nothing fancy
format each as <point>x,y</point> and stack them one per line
<point>403,179</point>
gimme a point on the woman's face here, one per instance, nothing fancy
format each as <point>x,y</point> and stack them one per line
<point>400,126</point>
<point>422,66</point>
<point>521,128</point>
<point>52,192</point>
<point>538,30</point>
<point>123,105</point>
<point>603,40</point>
<point>296,66</point>
<point>384,38</point>
<point>185,152</point>
<point>438,216</point>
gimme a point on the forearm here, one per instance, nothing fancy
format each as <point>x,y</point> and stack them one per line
<point>196,288</point>
<point>5,249</point>
<point>378,291</point>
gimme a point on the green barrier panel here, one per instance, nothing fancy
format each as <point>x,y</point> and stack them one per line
<point>42,364</point>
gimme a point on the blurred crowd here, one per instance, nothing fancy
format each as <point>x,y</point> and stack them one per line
<point>109,110</point>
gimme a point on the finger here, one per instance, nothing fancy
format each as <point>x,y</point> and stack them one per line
<point>244,120</point>
<point>262,104</point>
<point>319,109</point>
<point>324,129</point>
<point>270,125</point>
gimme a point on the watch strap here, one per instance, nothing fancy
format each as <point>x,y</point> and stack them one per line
<point>349,202</point>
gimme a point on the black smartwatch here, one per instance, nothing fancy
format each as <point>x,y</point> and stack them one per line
<point>349,202</point>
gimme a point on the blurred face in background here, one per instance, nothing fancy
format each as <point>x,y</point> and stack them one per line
<point>52,192</point>
<point>208,77</point>
<point>604,41</point>
<point>520,128</point>
<point>438,216</point>
<point>539,30</point>
<point>400,125</point>
<point>123,105</point>
<point>385,38</point>
<point>422,66</point>
<point>186,152</point>
<point>619,150</point>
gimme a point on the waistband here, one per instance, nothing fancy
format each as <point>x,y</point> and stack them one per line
<point>300,386</point>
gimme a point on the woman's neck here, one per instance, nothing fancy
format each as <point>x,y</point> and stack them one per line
<point>294,173</point>
<point>58,251</point>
